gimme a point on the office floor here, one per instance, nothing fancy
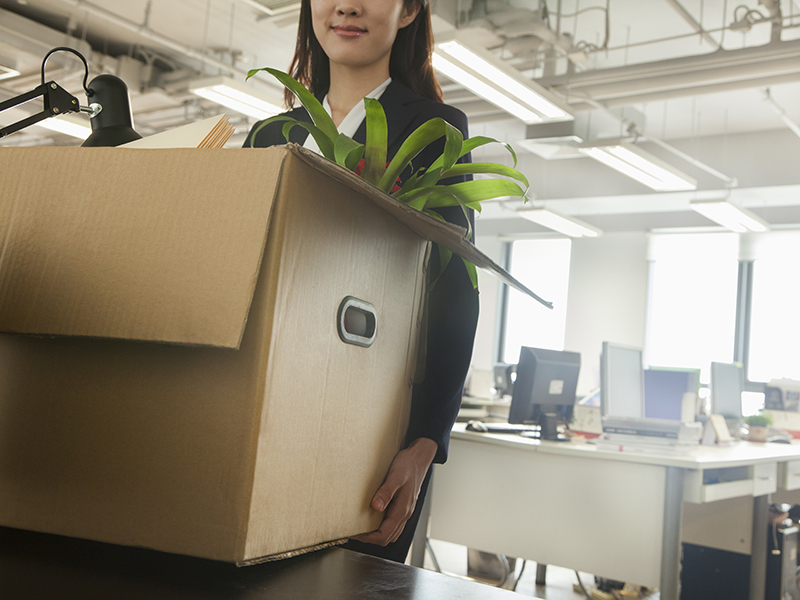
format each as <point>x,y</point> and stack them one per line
<point>452,559</point>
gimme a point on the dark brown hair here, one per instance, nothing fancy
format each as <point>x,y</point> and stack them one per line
<point>410,62</point>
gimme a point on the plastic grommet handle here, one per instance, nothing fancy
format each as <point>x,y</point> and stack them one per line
<point>356,322</point>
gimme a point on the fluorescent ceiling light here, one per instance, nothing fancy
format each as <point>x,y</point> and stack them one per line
<point>639,165</point>
<point>558,222</point>
<point>7,72</point>
<point>730,216</point>
<point>67,125</point>
<point>493,80</point>
<point>237,96</point>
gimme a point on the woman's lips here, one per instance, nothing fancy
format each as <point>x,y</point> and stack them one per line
<point>348,31</point>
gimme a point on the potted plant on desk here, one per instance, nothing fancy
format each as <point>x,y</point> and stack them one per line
<point>757,426</point>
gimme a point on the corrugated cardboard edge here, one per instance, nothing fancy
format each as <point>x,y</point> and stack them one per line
<point>448,235</point>
<point>240,543</point>
<point>291,553</point>
<point>259,266</point>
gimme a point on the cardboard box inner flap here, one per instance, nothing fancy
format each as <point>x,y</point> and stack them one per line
<point>166,251</point>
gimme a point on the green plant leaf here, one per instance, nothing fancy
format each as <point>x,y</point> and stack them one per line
<point>472,272</point>
<point>422,136</point>
<point>355,156</point>
<point>343,147</point>
<point>475,142</point>
<point>452,146</point>
<point>377,135</point>
<point>478,190</point>
<point>462,169</point>
<point>313,106</point>
<point>266,122</point>
<point>324,143</point>
<point>408,185</point>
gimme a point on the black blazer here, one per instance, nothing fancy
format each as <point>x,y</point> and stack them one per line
<point>452,302</point>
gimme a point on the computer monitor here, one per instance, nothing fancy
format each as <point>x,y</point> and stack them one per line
<point>727,385</point>
<point>546,383</point>
<point>621,381</point>
<point>664,389</point>
<point>504,376</point>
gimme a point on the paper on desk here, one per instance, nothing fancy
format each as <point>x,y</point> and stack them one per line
<point>208,133</point>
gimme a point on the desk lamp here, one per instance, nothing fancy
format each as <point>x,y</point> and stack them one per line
<point>109,110</point>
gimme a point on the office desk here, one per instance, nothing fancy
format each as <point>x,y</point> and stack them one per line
<point>37,566</point>
<point>616,514</point>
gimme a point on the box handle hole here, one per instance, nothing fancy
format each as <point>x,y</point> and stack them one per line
<point>357,322</point>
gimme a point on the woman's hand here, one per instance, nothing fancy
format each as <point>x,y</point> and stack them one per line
<point>397,497</point>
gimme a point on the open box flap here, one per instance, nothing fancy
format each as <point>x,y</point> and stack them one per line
<point>448,235</point>
<point>155,245</point>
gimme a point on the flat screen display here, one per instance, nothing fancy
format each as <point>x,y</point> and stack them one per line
<point>622,381</point>
<point>727,385</point>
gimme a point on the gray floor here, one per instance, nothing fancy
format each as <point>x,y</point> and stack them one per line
<point>452,559</point>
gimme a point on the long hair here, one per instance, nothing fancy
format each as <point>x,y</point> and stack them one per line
<point>410,61</point>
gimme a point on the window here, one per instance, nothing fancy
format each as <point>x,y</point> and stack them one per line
<point>693,284</point>
<point>774,349</point>
<point>543,266</point>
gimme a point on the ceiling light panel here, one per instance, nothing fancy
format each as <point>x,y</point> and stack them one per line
<point>495,81</point>
<point>640,165</point>
<point>275,7</point>
<point>237,96</point>
<point>558,222</point>
<point>730,216</point>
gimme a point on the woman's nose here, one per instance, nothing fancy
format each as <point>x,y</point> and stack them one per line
<point>348,8</point>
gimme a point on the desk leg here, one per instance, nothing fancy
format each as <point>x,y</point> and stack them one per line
<point>421,534</point>
<point>671,539</point>
<point>758,554</point>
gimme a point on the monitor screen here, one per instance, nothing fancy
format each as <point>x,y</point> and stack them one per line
<point>621,381</point>
<point>727,385</point>
<point>545,379</point>
<point>664,389</point>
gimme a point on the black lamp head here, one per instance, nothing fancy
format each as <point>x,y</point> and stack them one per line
<point>113,124</point>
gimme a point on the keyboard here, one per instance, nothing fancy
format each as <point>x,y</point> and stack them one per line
<point>512,428</point>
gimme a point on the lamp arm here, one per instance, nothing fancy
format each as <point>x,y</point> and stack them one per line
<point>57,101</point>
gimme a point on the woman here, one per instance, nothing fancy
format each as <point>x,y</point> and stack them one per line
<point>347,50</point>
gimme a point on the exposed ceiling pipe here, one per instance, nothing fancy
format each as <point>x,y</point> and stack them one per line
<point>691,79</point>
<point>148,33</point>
<point>578,104</point>
<point>677,66</point>
<point>778,109</point>
<point>693,23</point>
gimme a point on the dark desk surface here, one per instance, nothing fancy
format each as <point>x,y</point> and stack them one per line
<point>35,565</point>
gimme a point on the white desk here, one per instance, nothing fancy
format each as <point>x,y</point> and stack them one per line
<point>616,514</point>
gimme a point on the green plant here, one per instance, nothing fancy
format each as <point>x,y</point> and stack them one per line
<point>422,190</point>
<point>759,420</point>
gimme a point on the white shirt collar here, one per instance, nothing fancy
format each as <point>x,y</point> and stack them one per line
<point>352,121</point>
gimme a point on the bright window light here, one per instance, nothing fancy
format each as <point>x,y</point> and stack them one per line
<point>503,80</point>
<point>560,223</point>
<point>545,264</point>
<point>732,217</point>
<point>691,304</point>
<point>483,89</point>
<point>774,318</point>
<point>237,96</point>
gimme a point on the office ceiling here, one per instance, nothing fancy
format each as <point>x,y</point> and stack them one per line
<point>711,86</point>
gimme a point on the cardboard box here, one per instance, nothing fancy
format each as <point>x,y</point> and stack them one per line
<point>171,371</point>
